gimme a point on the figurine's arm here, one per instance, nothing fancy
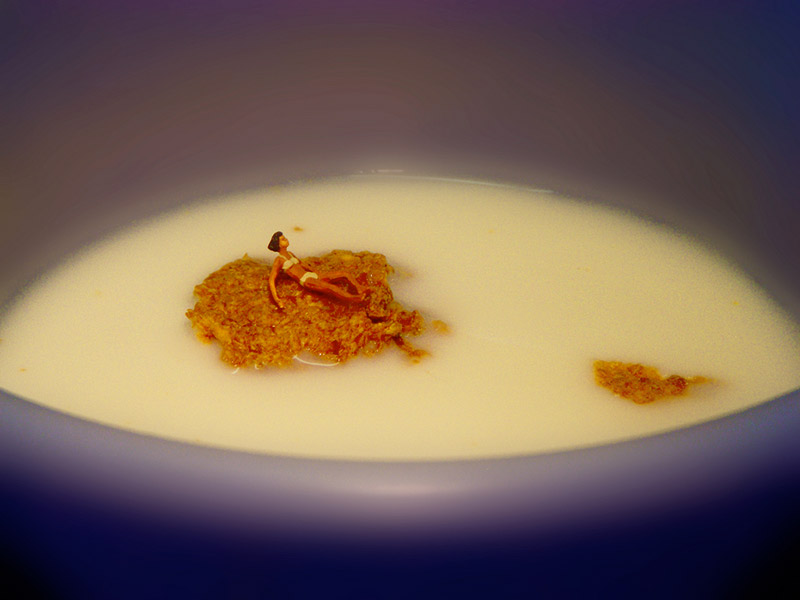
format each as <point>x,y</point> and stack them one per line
<point>273,275</point>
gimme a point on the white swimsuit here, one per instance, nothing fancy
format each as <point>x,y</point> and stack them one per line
<point>288,263</point>
<point>308,275</point>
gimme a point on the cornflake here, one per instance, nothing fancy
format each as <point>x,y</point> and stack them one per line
<point>640,383</point>
<point>235,308</point>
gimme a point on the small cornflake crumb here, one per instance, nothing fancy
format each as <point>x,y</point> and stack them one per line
<point>297,228</point>
<point>440,326</point>
<point>640,383</point>
<point>234,307</point>
<point>415,354</point>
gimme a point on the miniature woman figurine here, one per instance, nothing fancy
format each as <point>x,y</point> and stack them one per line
<point>318,282</point>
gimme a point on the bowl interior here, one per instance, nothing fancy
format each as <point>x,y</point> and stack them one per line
<point>127,118</point>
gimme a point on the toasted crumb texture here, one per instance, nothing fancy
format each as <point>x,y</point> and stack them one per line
<point>640,383</point>
<point>234,307</point>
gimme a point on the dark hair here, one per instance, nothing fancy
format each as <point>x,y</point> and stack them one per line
<point>275,242</point>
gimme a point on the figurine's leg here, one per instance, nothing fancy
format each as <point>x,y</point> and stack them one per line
<point>325,287</point>
<point>331,275</point>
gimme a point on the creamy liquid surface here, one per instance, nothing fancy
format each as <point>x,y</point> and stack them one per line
<point>534,288</point>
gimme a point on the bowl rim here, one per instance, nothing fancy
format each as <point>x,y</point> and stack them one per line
<point>241,490</point>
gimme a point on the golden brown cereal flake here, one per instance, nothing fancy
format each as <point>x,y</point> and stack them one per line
<point>640,383</point>
<point>234,307</point>
<point>440,326</point>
